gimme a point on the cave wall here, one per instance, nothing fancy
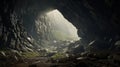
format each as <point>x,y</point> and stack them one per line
<point>12,33</point>
<point>17,23</point>
<point>95,19</point>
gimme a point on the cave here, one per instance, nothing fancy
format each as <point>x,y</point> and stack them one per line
<point>59,33</point>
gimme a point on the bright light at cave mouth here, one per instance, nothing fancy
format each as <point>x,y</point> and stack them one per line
<point>56,27</point>
<point>56,32</point>
<point>64,27</point>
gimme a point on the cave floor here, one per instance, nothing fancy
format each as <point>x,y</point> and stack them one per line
<point>81,60</point>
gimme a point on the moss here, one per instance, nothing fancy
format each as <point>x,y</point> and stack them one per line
<point>30,54</point>
<point>10,53</point>
<point>58,56</point>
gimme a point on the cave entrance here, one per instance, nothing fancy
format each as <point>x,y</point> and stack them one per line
<point>56,32</point>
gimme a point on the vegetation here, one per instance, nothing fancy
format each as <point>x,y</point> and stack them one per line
<point>58,56</point>
<point>30,54</point>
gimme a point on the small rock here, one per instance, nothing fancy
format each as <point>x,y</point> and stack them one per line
<point>3,53</point>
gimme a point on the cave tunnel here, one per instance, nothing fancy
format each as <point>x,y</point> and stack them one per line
<point>59,31</point>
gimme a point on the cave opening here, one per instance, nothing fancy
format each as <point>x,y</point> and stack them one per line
<point>55,33</point>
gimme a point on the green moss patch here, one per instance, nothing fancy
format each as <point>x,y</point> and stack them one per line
<point>30,54</point>
<point>58,56</point>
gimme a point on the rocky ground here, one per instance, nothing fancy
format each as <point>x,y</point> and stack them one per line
<point>86,59</point>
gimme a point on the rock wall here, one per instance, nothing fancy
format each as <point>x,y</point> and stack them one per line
<point>12,32</point>
<point>95,19</point>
